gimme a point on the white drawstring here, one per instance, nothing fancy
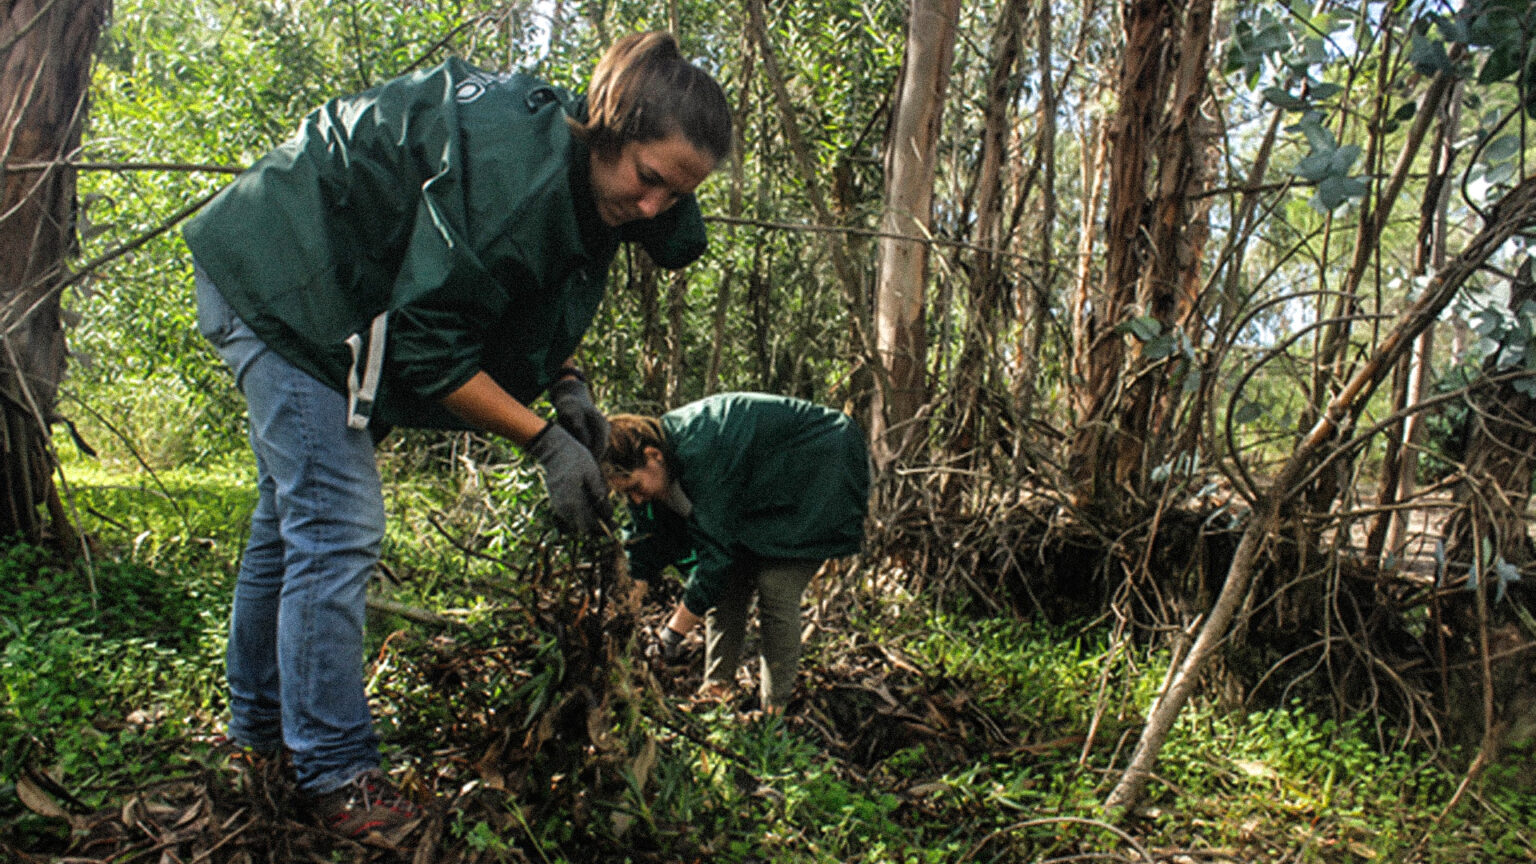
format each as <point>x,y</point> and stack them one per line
<point>360,395</point>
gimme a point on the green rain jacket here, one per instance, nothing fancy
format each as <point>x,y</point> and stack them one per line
<point>768,476</point>
<point>454,200</point>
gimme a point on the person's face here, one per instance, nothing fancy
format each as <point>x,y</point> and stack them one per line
<point>645,483</point>
<point>646,177</point>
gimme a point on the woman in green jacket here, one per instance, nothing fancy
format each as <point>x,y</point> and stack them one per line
<point>746,494</point>
<point>426,253</point>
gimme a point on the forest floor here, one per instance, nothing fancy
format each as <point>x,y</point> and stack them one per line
<point>867,703</point>
<point>556,742</point>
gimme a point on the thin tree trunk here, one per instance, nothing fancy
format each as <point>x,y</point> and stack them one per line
<point>1095,146</point>
<point>1332,356</point>
<point>717,330</point>
<point>738,185</point>
<point>902,267</point>
<point>986,288</point>
<point>1400,461</point>
<point>653,375</point>
<point>1035,309</point>
<point>1168,289</point>
<point>1515,212</point>
<point>677,305</point>
<point>805,162</point>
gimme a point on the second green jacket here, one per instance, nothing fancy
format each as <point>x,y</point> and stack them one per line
<point>768,476</point>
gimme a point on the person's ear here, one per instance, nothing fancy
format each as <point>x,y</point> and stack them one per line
<point>653,456</point>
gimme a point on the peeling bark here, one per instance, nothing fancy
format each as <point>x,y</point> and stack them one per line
<point>43,96</point>
<point>902,269</point>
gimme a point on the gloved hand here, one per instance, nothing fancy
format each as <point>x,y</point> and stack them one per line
<point>671,643</point>
<point>577,492</point>
<point>577,415</point>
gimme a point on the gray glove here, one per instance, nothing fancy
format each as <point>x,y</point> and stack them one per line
<point>671,644</point>
<point>577,415</point>
<point>577,492</point>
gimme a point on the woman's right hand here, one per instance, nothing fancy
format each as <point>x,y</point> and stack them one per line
<point>577,492</point>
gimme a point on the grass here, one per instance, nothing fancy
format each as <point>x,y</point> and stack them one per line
<point>104,688</point>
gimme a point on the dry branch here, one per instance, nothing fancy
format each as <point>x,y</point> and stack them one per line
<point>1516,211</point>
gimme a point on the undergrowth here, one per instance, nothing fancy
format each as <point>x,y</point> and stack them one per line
<point>999,739</point>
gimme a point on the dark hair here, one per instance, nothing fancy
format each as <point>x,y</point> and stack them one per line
<point>644,90</point>
<point>628,436</point>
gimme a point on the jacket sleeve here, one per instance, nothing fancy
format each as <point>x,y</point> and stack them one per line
<point>706,583</point>
<point>436,348</point>
<point>673,239</point>
<point>716,466</point>
<point>657,540</point>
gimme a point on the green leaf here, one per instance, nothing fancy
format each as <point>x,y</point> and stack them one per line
<point>1318,135</point>
<point>1314,50</point>
<point>1487,321</point>
<point>1333,191</point>
<point>1191,382</point>
<point>1406,111</point>
<point>1502,148</point>
<point>1314,167</point>
<point>1237,59</point>
<point>1343,159</point>
<point>1272,36</point>
<point>1500,173</point>
<point>1145,328</point>
<point>1503,61</point>
<point>1427,55</point>
<point>1282,99</point>
<point>1158,348</point>
<point>1325,90</point>
<point>1451,29</point>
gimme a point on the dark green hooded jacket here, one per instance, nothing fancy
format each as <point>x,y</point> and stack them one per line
<point>768,477</point>
<point>454,199</point>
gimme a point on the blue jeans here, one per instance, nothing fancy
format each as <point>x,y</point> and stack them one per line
<point>295,656</point>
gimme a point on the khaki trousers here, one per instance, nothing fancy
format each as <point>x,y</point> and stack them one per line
<point>779,585</point>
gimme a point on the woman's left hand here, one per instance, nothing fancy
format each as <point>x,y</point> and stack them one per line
<point>577,415</point>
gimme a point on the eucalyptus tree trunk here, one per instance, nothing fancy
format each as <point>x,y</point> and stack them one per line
<point>981,331</point>
<point>645,281</point>
<point>1178,226</point>
<point>1152,251</point>
<point>900,341</point>
<point>1400,461</point>
<point>1035,303</point>
<point>48,47</point>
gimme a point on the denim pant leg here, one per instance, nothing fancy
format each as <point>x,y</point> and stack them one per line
<point>780,587</point>
<point>250,659</point>
<point>297,625</point>
<point>725,627</point>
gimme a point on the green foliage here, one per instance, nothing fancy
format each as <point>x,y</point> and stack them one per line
<point>98,688</point>
<point>112,694</point>
<point>1505,349</point>
<point>102,687</point>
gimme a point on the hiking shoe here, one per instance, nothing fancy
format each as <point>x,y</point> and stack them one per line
<point>367,805</point>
